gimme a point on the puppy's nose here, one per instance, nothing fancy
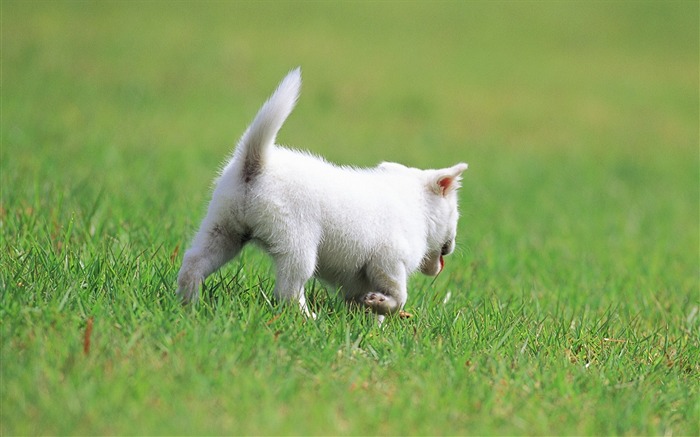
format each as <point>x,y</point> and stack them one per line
<point>445,249</point>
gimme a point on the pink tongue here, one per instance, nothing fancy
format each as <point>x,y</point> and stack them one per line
<point>442,263</point>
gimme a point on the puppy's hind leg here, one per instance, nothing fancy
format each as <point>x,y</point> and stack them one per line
<point>213,247</point>
<point>293,270</point>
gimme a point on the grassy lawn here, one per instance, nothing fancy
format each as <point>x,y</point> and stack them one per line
<point>571,306</point>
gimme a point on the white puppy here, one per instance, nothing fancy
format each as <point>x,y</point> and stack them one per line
<point>365,230</point>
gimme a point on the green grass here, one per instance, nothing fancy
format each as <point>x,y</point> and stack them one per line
<point>572,305</point>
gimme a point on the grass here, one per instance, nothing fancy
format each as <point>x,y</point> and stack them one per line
<point>572,305</point>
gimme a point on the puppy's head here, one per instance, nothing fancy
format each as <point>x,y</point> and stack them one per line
<point>441,216</point>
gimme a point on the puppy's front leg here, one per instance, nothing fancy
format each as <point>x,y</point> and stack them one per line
<point>389,288</point>
<point>380,303</point>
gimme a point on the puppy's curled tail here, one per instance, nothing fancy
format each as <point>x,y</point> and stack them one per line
<point>261,133</point>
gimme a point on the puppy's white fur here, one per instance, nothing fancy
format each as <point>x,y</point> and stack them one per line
<point>365,230</point>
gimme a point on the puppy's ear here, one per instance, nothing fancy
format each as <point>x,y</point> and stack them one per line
<point>447,180</point>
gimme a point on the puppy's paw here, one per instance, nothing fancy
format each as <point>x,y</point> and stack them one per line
<point>188,287</point>
<point>308,313</point>
<point>380,303</point>
<point>188,294</point>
